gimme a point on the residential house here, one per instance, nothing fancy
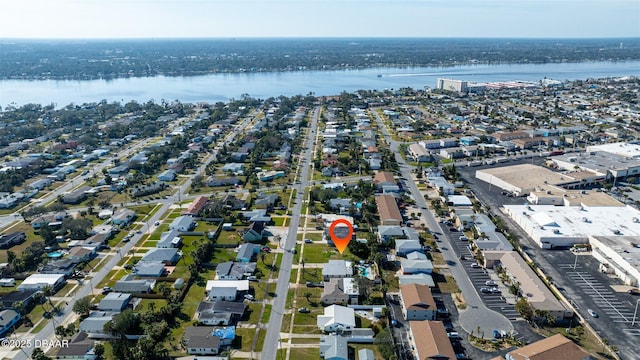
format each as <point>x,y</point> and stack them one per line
<point>420,279</point>
<point>404,247</point>
<point>386,233</point>
<point>167,175</point>
<point>222,181</point>
<point>149,269</point>
<point>340,291</point>
<point>80,347</point>
<point>123,217</point>
<point>11,239</point>
<point>334,347</point>
<point>416,266</point>
<point>76,196</point>
<point>382,178</point>
<point>40,281</point>
<point>366,354</point>
<point>388,210</point>
<point>247,251</point>
<point>64,267</point>
<point>230,270</point>
<point>416,255</point>
<point>417,302</point>
<point>226,290</point>
<point>93,325</point>
<point>551,348</point>
<point>81,254</point>
<point>233,203</point>
<point>221,313</point>
<point>25,297</point>
<point>266,201</point>
<point>430,340</point>
<point>336,318</point>
<point>419,153</point>
<point>8,320</point>
<point>114,302</point>
<point>182,223</point>
<point>168,256</point>
<point>54,219</point>
<point>258,215</point>
<point>254,233</point>
<point>199,340</point>
<point>233,168</point>
<point>337,269</point>
<point>130,286</point>
<point>196,206</point>
<point>169,239</point>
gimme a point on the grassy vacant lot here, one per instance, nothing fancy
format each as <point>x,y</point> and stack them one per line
<point>446,283</point>
<point>304,353</point>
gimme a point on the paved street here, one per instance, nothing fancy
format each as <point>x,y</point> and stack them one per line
<point>272,338</point>
<point>67,316</point>
<point>476,314</point>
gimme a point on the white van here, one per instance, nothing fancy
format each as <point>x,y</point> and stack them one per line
<point>9,282</point>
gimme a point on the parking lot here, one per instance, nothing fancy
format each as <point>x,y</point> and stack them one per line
<point>479,277</point>
<point>585,287</point>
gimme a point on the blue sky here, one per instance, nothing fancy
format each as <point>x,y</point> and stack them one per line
<point>316,18</point>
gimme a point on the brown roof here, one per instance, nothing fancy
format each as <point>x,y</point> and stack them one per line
<point>388,208</point>
<point>195,206</point>
<point>383,176</point>
<point>551,348</point>
<point>417,297</point>
<point>431,340</point>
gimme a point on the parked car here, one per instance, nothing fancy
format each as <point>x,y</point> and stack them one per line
<point>249,297</point>
<point>266,249</point>
<point>495,290</point>
<point>485,290</point>
<point>475,265</point>
<point>308,241</point>
<point>304,310</point>
<point>252,278</point>
<point>633,291</point>
<point>490,283</point>
<point>106,290</point>
<point>454,335</point>
<point>592,313</point>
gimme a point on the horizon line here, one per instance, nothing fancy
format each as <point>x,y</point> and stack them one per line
<point>313,38</point>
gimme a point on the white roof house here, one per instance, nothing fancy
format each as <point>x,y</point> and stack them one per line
<point>226,289</point>
<point>39,281</point>
<point>182,223</point>
<point>337,269</point>
<point>404,247</point>
<point>416,266</point>
<point>336,318</point>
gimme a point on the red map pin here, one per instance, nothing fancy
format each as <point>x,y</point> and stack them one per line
<point>340,240</point>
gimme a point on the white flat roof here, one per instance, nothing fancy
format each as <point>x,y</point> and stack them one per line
<point>240,285</point>
<point>42,279</point>
<point>576,221</point>
<point>622,149</point>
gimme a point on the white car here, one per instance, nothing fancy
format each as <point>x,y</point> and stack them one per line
<point>592,313</point>
<point>475,265</point>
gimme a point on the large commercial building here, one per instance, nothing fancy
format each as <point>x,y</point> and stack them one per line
<point>608,161</point>
<point>564,226</point>
<point>619,255</point>
<point>451,85</point>
<point>521,180</point>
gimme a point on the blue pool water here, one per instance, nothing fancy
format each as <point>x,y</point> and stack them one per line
<point>55,254</point>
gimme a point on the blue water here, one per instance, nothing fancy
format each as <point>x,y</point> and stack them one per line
<point>55,254</point>
<point>222,87</point>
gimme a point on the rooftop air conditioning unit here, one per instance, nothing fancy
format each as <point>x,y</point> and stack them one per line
<point>556,231</point>
<point>635,220</point>
<point>584,219</point>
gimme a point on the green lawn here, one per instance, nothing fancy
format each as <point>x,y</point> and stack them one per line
<point>267,314</point>
<point>317,253</point>
<point>228,237</point>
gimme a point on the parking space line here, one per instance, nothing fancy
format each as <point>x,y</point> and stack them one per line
<point>606,300</point>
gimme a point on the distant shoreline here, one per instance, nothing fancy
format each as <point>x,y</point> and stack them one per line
<point>76,59</point>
